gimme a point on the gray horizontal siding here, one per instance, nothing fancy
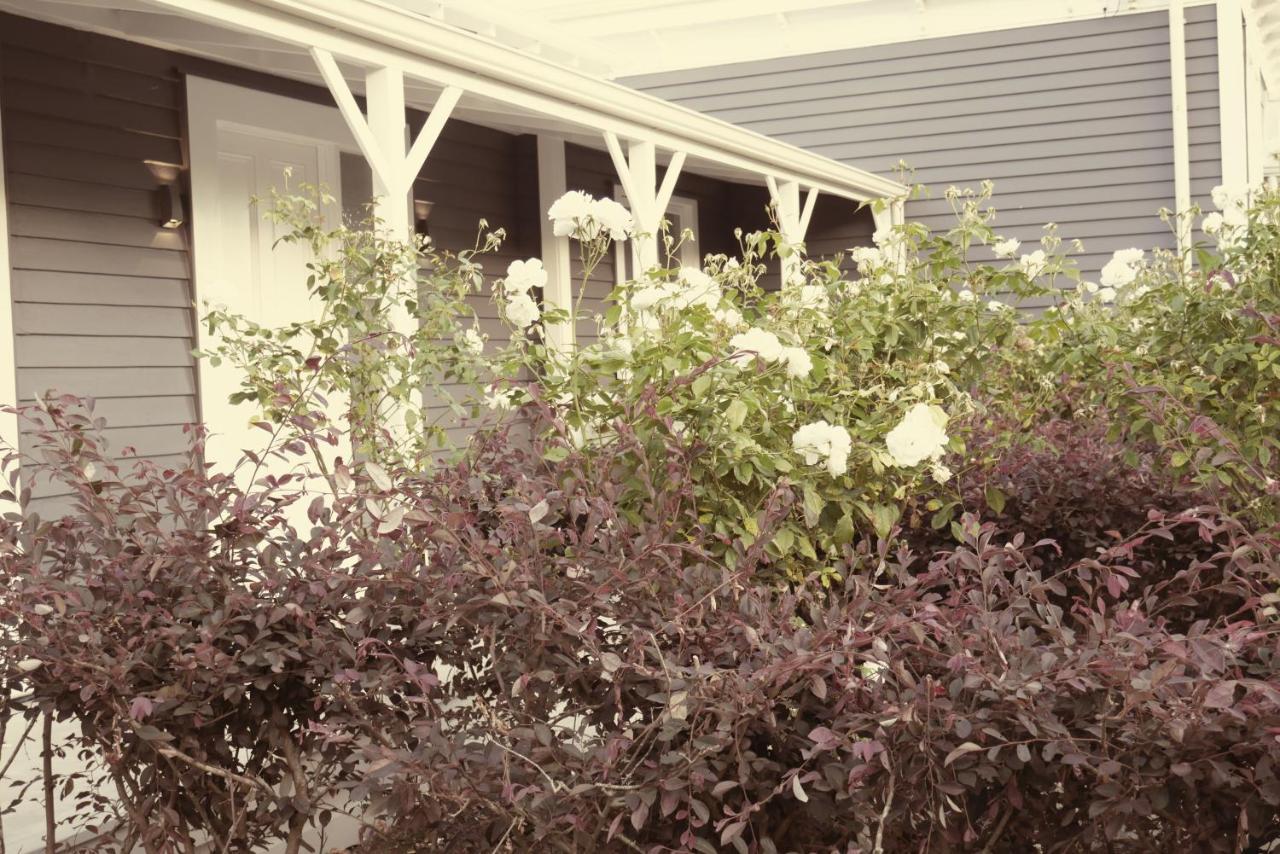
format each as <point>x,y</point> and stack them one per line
<point>101,293</point>
<point>1073,121</point>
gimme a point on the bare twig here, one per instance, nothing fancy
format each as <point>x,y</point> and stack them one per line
<point>884,815</point>
<point>49,817</point>
<point>254,782</point>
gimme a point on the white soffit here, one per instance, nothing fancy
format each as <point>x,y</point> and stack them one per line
<point>667,35</point>
<point>508,88</point>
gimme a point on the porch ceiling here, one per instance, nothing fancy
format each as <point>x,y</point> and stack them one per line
<point>575,103</point>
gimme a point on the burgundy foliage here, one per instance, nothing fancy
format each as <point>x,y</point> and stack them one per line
<point>495,658</point>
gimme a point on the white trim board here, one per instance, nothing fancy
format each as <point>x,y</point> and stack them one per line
<point>8,361</point>
<point>371,36</point>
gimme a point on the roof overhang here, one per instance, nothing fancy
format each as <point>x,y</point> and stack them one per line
<point>504,87</point>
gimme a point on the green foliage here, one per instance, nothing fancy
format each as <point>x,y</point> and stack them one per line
<point>391,323</point>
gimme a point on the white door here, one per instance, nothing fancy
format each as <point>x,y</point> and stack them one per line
<point>244,144</point>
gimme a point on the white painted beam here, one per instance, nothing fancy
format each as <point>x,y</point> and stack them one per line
<point>378,37</point>
<point>429,134</point>
<point>8,362</point>
<point>793,222</point>
<point>384,95</point>
<point>378,160</point>
<point>552,184</point>
<point>1232,109</point>
<point>1181,126</point>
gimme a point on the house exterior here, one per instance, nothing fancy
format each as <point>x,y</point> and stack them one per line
<point>1092,114</point>
<point>135,132</point>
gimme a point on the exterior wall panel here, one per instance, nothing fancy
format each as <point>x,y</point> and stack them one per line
<point>1073,121</point>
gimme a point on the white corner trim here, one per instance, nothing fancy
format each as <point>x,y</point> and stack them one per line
<point>1181,127</point>
<point>552,184</point>
<point>8,362</point>
<point>1232,109</point>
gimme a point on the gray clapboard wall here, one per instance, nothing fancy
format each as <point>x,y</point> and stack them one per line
<point>101,293</point>
<point>1073,121</point>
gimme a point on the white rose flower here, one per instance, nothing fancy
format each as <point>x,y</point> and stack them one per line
<point>522,276</point>
<point>613,218</point>
<point>798,362</point>
<point>764,344</point>
<point>699,289</point>
<point>521,311</point>
<point>1122,268</point>
<point>651,296</point>
<point>1006,248</point>
<point>1033,265</point>
<point>1089,287</point>
<point>920,435</point>
<point>729,317</point>
<point>965,295</point>
<point>866,258</point>
<point>470,341</point>
<point>823,443</point>
<point>1212,223</point>
<point>811,297</point>
<point>569,213</point>
<point>940,473</point>
<point>1107,295</point>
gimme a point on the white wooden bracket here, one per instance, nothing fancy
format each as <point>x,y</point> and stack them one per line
<point>382,136</point>
<point>793,221</point>
<point>638,174</point>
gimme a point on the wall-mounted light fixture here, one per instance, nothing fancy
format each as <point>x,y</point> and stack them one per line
<point>421,214</point>
<point>172,212</point>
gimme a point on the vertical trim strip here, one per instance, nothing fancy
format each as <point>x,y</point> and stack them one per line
<point>1231,98</point>
<point>552,183</point>
<point>8,361</point>
<point>1181,129</point>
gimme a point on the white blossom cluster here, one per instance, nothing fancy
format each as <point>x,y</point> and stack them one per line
<point>820,443</point>
<point>920,435</point>
<point>1227,224</point>
<point>767,348</point>
<point>580,215</point>
<point>1006,248</point>
<point>1121,270</point>
<point>520,309</point>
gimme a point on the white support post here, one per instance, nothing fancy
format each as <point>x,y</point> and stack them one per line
<point>384,94</point>
<point>1232,110</point>
<point>1181,129</point>
<point>552,184</point>
<point>793,222</point>
<point>8,362</point>
<point>383,138</point>
<point>638,174</point>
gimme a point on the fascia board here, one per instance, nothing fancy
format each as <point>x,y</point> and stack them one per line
<point>372,34</point>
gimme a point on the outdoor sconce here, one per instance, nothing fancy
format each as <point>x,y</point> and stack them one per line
<point>172,212</point>
<point>421,213</point>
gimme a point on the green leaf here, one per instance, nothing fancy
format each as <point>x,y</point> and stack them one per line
<point>883,517</point>
<point>736,414</point>
<point>995,499</point>
<point>813,504</point>
<point>556,454</point>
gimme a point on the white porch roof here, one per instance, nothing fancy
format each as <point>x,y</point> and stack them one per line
<point>517,78</point>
